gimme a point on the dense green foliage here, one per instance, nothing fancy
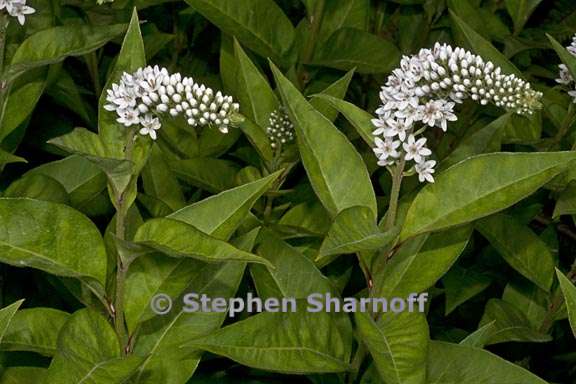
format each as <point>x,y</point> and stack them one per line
<point>99,219</point>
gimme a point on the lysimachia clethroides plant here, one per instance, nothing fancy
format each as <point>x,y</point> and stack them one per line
<point>235,225</point>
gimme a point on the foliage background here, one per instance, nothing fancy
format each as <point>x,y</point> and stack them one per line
<point>495,275</point>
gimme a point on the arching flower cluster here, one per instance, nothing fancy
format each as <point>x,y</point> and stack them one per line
<point>280,129</point>
<point>565,77</point>
<point>425,89</point>
<point>17,9</point>
<point>143,97</point>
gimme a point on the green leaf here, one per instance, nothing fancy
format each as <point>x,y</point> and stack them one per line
<point>569,292</point>
<point>8,158</point>
<point>520,247</point>
<point>343,14</point>
<point>398,343</point>
<point>254,93</point>
<point>478,142</point>
<point>354,230</point>
<point>260,25</point>
<point>567,58</point>
<point>52,45</point>
<point>335,169</point>
<point>51,237</point>
<point>213,175</point>
<point>338,90</point>
<point>350,48</point>
<point>220,215</point>
<point>510,324</point>
<point>6,315</point>
<point>461,285</point>
<point>258,138</point>
<point>566,203</point>
<point>360,119</point>
<point>419,263</point>
<point>38,187</point>
<point>18,375</point>
<point>304,342</point>
<point>89,352</point>
<point>482,47</point>
<point>520,11</point>
<point>506,179</point>
<point>131,57</point>
<point>35,330</point>
<point>479,337</point>
<point>178,239</point>
<point>455,364</point>
<point>309,218</point>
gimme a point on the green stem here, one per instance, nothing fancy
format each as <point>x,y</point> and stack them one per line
<point>394,195</point>
<point>315,24</point>
<point>121,268</point>
<point>92,63</point>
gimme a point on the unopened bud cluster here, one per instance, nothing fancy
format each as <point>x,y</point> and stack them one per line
<point>565,77</point>
<point>143,97</point>
<point>426,87</point>
<point>280,129</point>
<point>17,9</point>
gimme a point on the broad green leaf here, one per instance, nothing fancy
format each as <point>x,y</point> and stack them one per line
<point>35,330</point>
<point>131,57</point>
<point>161,338</point>
<point>419,263</point>
<point>480,19</point>
<point>335,169</point>
<point>66,92</point>
<point>254,93</point>
<point>350,48</point>
<point>520,11</point>
<point>260,25</point>
<point>567,58</point>
<point>292,275</point>
<point>569,292</point>
<point>38,187</point>
<point>84,182</point>
<point>566,203</point>
<point>213,175</point>
<point>19,375</point>
<point>52,45</point>
<point>338,90</point>
<point>482,47</point>
<point>159,182</point>
<point>89,352</point>
<point>6,315</point>
<point>340,14</point>
<point>220,215</point>
<point>456,364</point>
<point>506,178</point>
<point>461,285</point>
<point>178,239</point>
<point>398,343</point>
<point>520,247</point>
<point>479,337</point>
<point>354,230</point>
<point>360,119</point>
<point>51,237</point>
<point>257,136</point>
<point>308,218</point>
<point>292,342</point>
<point>528,298</point>
<point>510,324</point>
<point>479,142</point>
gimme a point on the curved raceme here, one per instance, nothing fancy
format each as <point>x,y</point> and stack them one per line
<point>280,129</point>
<point>141,98</point>
<point>425,89</point>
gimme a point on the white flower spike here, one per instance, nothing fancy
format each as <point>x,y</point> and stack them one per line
<point>565,77</point>
<point>280,129</point>
<point>427,86</point>
<point>142,97</point>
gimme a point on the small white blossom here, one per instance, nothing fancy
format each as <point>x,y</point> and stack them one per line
<point>415,149</point>
<point>141,97</point>
<point>564,75</point>
<point>387,148</point>
<point>425,171</point>
<point>17,9</point>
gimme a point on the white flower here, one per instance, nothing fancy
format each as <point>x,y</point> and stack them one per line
<point>437,113</point>
<point>140,98</point>
<point>386,148</point>
<point>564,75</point>
<point>17,8</point>
<point>425,170</point>
<point>415,149</point>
